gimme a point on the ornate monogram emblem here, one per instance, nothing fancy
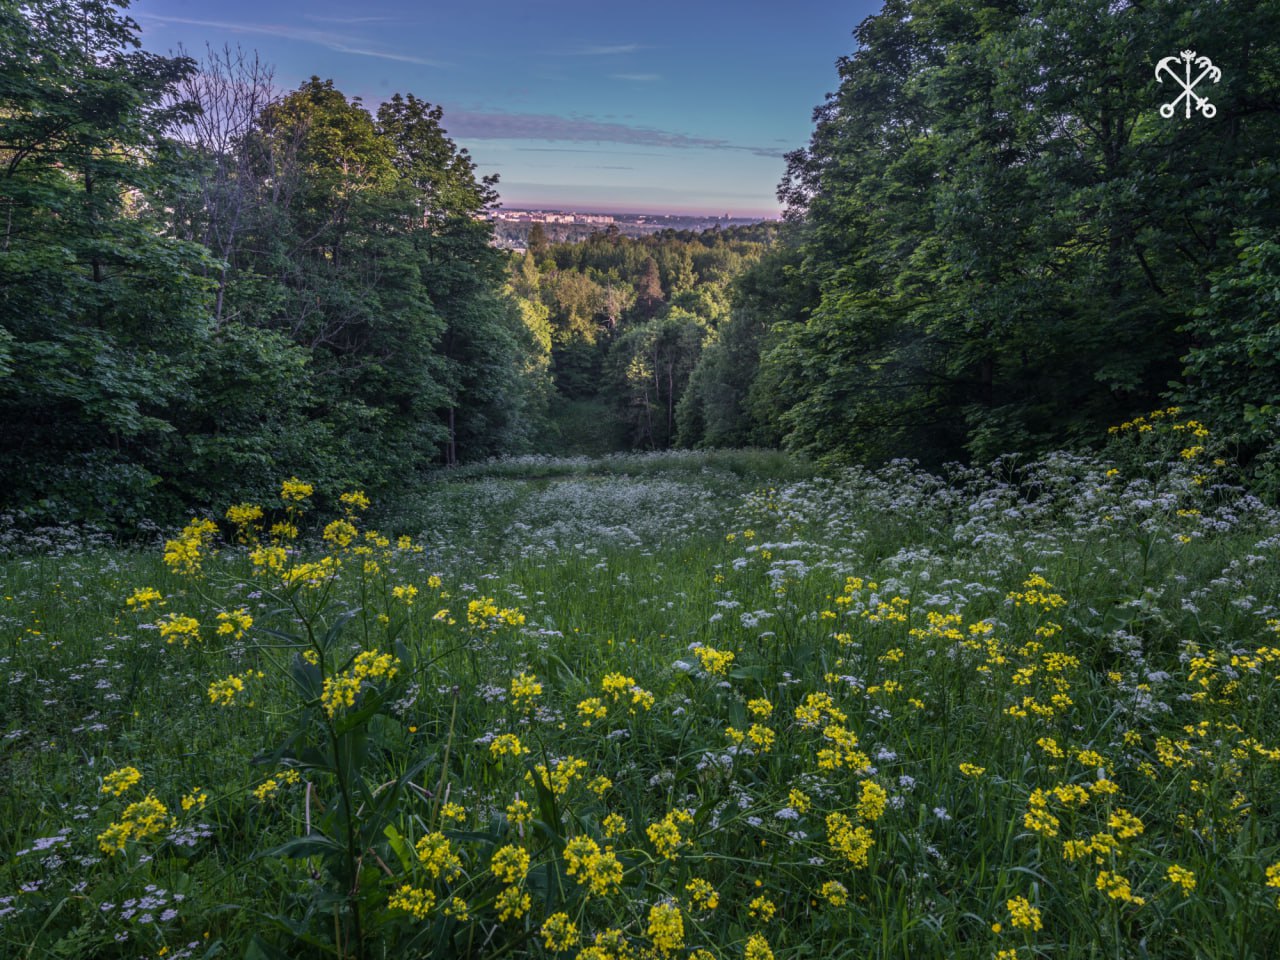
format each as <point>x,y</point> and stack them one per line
<point>1169,67</point>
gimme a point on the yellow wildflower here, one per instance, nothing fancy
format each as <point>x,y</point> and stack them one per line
<point>510,864</point>
<point>413,901</point>
<point>143,598</point>
<point>139,820</point>
<point>757,948</point>
<point>852,843</point>
<point>295,490</point>
<point>435,853</point>
<point>702,895</point>
<point>1181,877</point>
<point>458,909</point>
<point>453,811</point>
<point>1116,886</point>
<point>354,500</point>
<point>405,593</point>
<point>559,932</point>
<point>872,801</point>
<point>338,692</point>
<point>120,781</point>
<point>561,776</point>
<point>506,744</point>
<point>715,662</point>
<point>524,688</point>
<point>183,554</point>
<point>666,927</point>
<point>835,893</point>
<point>519,811</point>
<point>762,908</point>
<point>591,710</point>
<point>512,904</point>
<point>234,623</point>
<point>176,627</point>
<point>665,834</point>
<point>194,800</point>
<point>613,825</point>
<point>223,693</point>
<point>1023,915</point>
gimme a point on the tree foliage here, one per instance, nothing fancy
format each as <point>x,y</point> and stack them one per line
<point>98,308</point>
<point>204,283</point>
<point>1005,246</point>
<point>628,323</point>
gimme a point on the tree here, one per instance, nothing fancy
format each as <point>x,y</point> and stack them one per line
<point>1232,374</point>
<point>481,344</point>
<point>601,290</point>
<point>99,310</point>
<point>649,295</point>
<point>332,263</point>
<point>538,245</point>
<point>727,402</point>
<point>1005,239</point>
<point>229,92</point>
<point>651,364</point>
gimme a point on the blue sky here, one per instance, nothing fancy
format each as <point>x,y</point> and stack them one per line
<point>628,106</point>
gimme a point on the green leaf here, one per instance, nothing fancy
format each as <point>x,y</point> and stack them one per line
<point>312,845</point>
<point>399,846</point>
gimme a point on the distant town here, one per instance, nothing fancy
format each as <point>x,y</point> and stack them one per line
<point>511,226</point>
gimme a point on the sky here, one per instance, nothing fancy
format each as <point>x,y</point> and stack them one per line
<point>673,106</point>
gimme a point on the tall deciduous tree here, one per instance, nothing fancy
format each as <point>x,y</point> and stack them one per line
<point>484,342</point>
<point>1006,239</point>
<point>99,310</point>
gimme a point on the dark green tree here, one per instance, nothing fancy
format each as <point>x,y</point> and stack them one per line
<point>649,293</point>
<point>538,245</point>
<point>650,365</point>
<point>727,402</point>
<point>101,313</point>
<point>332,263</point>
<point>1005,239</point>
<point>484,342</point>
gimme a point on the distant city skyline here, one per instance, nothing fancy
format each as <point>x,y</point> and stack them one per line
<point>663,108</point>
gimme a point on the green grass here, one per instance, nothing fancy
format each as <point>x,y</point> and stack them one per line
<point>626,566</point>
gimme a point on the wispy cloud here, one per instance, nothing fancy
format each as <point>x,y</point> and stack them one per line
<point>346,20</point>
<point>637,77</point>
<point>475,125</point>
<point>606,50</point>
<point>604,153</point>
<point>330,41</point>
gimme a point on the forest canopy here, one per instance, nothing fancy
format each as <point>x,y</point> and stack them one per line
<point>202,279</point>
<point>997,244</point>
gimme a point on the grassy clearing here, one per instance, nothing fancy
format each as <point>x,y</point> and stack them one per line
<point>661,705</point>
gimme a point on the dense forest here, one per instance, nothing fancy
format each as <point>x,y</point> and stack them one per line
<point>994,243</point>
<point>202,280</point>
<point>629,322</point>
<point>999,245</point>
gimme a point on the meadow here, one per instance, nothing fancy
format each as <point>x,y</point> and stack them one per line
<point>685,705</point>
